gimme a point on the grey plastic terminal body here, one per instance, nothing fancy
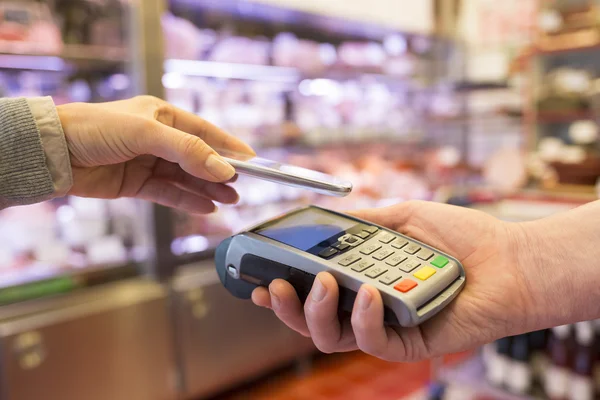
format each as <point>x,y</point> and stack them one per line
<point>411,308</point>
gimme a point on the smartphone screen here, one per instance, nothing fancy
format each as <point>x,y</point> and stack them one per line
<point>287,174</point>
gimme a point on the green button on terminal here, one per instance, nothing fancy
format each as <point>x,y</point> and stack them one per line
<point>440,262</point>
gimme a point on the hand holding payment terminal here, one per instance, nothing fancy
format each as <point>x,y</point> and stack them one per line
<point>415,280</point>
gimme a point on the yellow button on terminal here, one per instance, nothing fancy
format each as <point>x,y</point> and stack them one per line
<point>425,273</point>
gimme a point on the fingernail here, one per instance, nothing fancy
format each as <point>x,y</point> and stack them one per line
<point>318,290</point>
<point>219,168</point>
<point>364,299</point>
<point>274,300</point>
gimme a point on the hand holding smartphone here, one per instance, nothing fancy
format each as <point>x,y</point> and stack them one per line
<point>288,175</point>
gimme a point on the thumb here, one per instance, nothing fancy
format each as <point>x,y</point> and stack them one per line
<point>192,154</point>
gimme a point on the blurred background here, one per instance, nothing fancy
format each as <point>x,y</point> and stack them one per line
<point>483,104</point>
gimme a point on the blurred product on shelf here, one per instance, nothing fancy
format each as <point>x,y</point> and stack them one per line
<point>309,56</point>
<point>239,49</point>
<point>561,363</point>
<point>506,171</point>
<point>577,164</point>
<point>28,27</point>
<point>582,379</point>
<point>68,234</point>
<point>392,57</point>
<point>365,56</point>
<point>556,379</point>
<point>90,22</point>
<point>182,39</point>
<point>496,357</point>
<point>565,90</point>
<point>316,112</point>
<point>564,26</point>
<point>99,88</point>
<point>520,371</point>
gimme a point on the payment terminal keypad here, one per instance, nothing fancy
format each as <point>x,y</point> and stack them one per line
<point>415,280</point>
<point>412,249</point>
<point>396,260</point>
<point>387,259</point>
<point>375,272</point>
<point>425,254</point>
<point>399,243</point>
<point>383,254</point>
<point>370,249</point>
<point>363,265</point>
<point>349,260</point>
<point>387,238</point>
<point>390,277</point>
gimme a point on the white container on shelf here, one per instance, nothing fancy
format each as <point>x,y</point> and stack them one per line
<point>52,252</point>
<point>6,258</point>
<point>21,228</point>
<point>106,250</point>
<point>82,221</point>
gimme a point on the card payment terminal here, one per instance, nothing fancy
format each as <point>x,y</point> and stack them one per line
<point>415,280</point>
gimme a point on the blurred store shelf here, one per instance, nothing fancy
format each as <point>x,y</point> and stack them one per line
<point>554,49</point>
<point>268,73</point>
<point>212,69</point>
<point>80,57</point>
<point>562,117</point>
<point>32,283</point>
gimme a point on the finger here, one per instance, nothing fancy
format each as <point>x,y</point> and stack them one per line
<point>396,216</point>
<point>211,134</point>
<point>234,179</point>
<point>166,194</point>
<point>190,152</point>
<point>261,297</point>
<point>372,336</point>
<point>286,305</point>
<point>321,310</point>
<point>213,191</point>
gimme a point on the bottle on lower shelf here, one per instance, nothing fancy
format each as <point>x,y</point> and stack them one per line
<point>519,376</point>
<point>497,359</point>
<point>556,380</point>
<point>582,376</point>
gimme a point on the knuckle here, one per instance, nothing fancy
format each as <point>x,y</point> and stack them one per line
<point>147,99</point>
<point>191,146</point>
<point>324,348</point>
<point>363,341</point>
<point>413,204</point>
<point>165,114</point>
<point>370,348</point>
<point>156,108</point>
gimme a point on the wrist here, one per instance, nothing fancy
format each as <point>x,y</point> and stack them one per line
<point>559,281</point>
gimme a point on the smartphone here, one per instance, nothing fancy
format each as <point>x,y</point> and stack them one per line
<point>288,175</point>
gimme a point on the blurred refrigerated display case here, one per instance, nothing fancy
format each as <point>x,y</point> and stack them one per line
<point>80,319</point>
<point>46,50</point>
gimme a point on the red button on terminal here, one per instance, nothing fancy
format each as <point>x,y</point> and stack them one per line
<point>405,286</point>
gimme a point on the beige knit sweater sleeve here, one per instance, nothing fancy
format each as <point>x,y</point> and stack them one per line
<point>34,158</point>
